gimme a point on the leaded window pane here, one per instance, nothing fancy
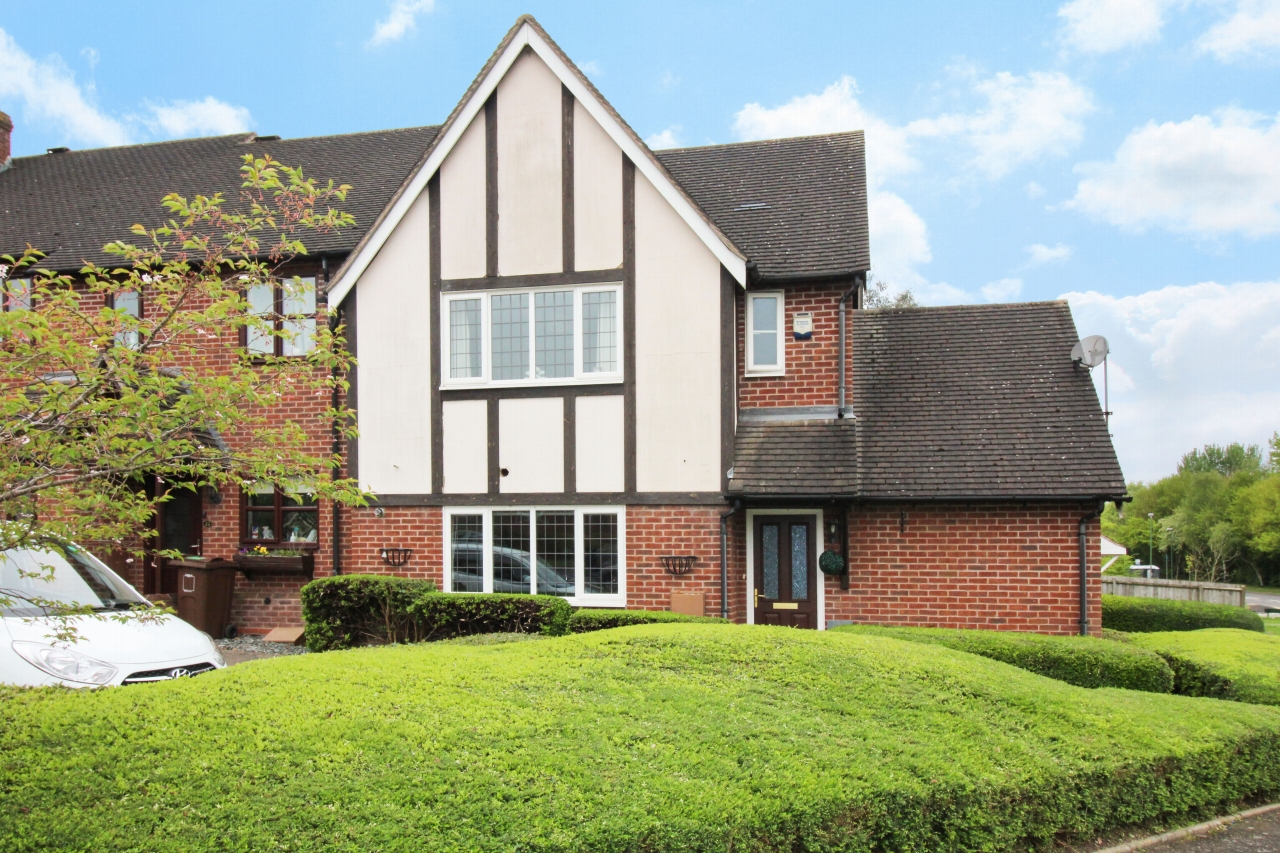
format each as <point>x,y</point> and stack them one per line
<point>600,553</point>
<point>599,332</point>
<point>511,552</point>
<point>509,314</point>
<point>764,330</point>
<point>800,562</point>
<point>464,339</point>
<point>553,334</point>
<point>466,537</point>
<point>769,556</point>
<point>555,553</point>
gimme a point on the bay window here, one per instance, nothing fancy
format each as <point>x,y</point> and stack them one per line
<point>573,552</point>
<point>765,341</point>
<point>543,336</point>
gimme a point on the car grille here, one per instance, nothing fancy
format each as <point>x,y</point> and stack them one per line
<point>166,674</point>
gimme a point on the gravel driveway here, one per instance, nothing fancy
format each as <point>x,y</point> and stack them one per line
<point>247,647</point>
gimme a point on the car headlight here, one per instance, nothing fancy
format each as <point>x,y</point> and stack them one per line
<point>66,664</point>
<point>217,655</point>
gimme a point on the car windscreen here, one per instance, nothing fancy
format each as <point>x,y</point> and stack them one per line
<point>73,578</point>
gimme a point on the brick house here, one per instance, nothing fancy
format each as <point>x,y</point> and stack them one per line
<point>644,379</point>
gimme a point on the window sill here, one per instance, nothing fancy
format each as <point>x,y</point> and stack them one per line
<point>754,374</point>
<point>611,379</point>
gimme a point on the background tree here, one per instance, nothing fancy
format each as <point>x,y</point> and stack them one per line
<point>878,295</point>
<point>93,398</point>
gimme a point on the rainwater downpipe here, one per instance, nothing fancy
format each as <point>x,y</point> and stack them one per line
<point>337,431</point>
<point>724,559</point>
<point>857,283</point>
<point>1084,567</point>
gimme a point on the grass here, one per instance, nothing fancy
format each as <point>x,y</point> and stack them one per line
<point>1271,626</point>
<point>1082,661</point>
<point>647,738</point>
<point>1223,662</point>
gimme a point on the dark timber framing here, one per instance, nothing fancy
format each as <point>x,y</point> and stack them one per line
<point>490,184</point>
<point>728,373</point>
<point>566,177</point>
<point>557,499</point>
<point>610,389</point>
<point>495,471</point>
<point>348,310</point>
<point>433,324</point>
<point>550,279</point>
<point>570,442</point>
<point>629,323</point>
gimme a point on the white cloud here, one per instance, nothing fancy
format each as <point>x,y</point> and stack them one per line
<point>402,18</point>
<point>1199,176</point>
<point>1253,30</point>
<point>1041,254</point>
<point>1034,190</point>
<point>669,138</point>
<point>1103,26</point>
<point>1004,290</point>
<point>49,92</point>
<point>1189,366</point>
<point>209,117</point>
<point>1025,118</point>
<point>591,67</point>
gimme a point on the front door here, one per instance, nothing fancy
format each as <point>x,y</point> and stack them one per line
<point>181,521</point>
<point>786,588</point>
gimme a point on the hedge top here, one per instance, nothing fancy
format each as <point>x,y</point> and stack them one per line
<point>1144,615</point>
<point>1227,662</point>
<point>680,737</point>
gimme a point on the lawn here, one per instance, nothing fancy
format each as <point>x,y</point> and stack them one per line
<point>1224,662</point>
<point>651,738</point>
<point>1272,626</point>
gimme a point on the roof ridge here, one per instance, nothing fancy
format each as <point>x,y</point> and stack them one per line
<point>746,142</point>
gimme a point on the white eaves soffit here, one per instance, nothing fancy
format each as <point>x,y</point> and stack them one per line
<point>528,35</point>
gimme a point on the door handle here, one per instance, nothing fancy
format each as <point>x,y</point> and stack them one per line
<point>757,598</point>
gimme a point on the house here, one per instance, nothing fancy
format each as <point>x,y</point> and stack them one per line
<point>635,379</point>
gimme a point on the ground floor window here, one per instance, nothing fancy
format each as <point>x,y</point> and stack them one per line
<point>573,552</point>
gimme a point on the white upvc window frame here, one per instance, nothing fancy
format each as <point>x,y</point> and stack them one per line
<point>485,379</point>
<point>579,599</point>
<point>779,369</point>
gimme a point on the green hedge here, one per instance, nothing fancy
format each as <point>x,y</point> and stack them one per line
<point>1146,615</point>
<point>360,610</point>
<point>597,620</point>
<point>1225,663</point>
<point>658,738</point>
<point>1082,661</point>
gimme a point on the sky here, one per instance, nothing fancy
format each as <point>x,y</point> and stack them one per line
<point>1123,155</point>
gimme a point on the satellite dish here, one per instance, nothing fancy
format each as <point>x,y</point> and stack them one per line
<point>1091,351</point>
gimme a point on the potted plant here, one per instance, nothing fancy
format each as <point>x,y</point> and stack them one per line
<point>281,560</point>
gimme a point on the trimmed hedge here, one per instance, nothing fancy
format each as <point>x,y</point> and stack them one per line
<point>1147,615</point>
<point>598,620</point>
<point>1225,663</point>
<point>659,738</point>
<point>360,610</point>
<point>1082,661</point>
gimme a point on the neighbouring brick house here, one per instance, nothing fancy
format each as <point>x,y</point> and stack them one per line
<point>593,370</point>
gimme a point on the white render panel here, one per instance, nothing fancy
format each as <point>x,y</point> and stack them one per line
<point>462,199</point>
<point>600,444</point>
<point>465,428</point>
<point>529,189</point>
<point>531,444</point>
<point>394,351</point>
<point>677,322</point>
<point>597,194</point>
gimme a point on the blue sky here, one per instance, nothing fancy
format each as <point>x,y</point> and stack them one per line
<point>1123,154</point>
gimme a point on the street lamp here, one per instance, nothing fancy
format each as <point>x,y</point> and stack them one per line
<point>1168,551</point>
<point>1151,539</point>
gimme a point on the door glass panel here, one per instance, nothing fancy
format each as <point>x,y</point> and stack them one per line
<point>510,336</point>
<point>555,553</point>
<point>511,552</point>
<point>553,334</point>
<point>600,553</point>
<point>769,547</point>
<point>466,538</point>
<point>800,562</point>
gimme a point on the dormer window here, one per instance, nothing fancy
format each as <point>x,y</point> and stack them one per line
<point>766,353</point>
<point>542,336</point>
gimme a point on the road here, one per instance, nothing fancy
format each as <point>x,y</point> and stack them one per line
<point>1266,599</point>
<point>1259,834</point>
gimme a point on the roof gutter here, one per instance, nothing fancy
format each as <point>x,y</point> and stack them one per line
<point>724,558</point>
<point>1084,566</point>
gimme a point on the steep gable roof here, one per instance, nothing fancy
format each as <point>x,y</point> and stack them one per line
<point>797,207</point>
<point>973,401</point>
<point>529,33</point>
<point>70,204</point>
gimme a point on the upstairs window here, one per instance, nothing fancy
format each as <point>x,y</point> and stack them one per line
<point>547,336</point>
<point>290,307</point>
<point>271,517</point>
<point>15,294</point>
<point>765,343</point>
<point>130,303</point>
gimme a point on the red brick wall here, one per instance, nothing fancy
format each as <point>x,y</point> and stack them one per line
<point>812,374</point>
<point>654,531</point>
<point>1004,567</point>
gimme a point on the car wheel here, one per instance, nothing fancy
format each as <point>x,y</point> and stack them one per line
<point>230,632</point>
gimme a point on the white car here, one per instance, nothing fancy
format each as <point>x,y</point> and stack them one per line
<point>106,651</point>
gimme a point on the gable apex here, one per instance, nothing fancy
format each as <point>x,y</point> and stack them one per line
<point>527,33</point>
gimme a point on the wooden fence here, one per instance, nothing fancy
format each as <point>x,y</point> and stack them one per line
<point>1213,593</point>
